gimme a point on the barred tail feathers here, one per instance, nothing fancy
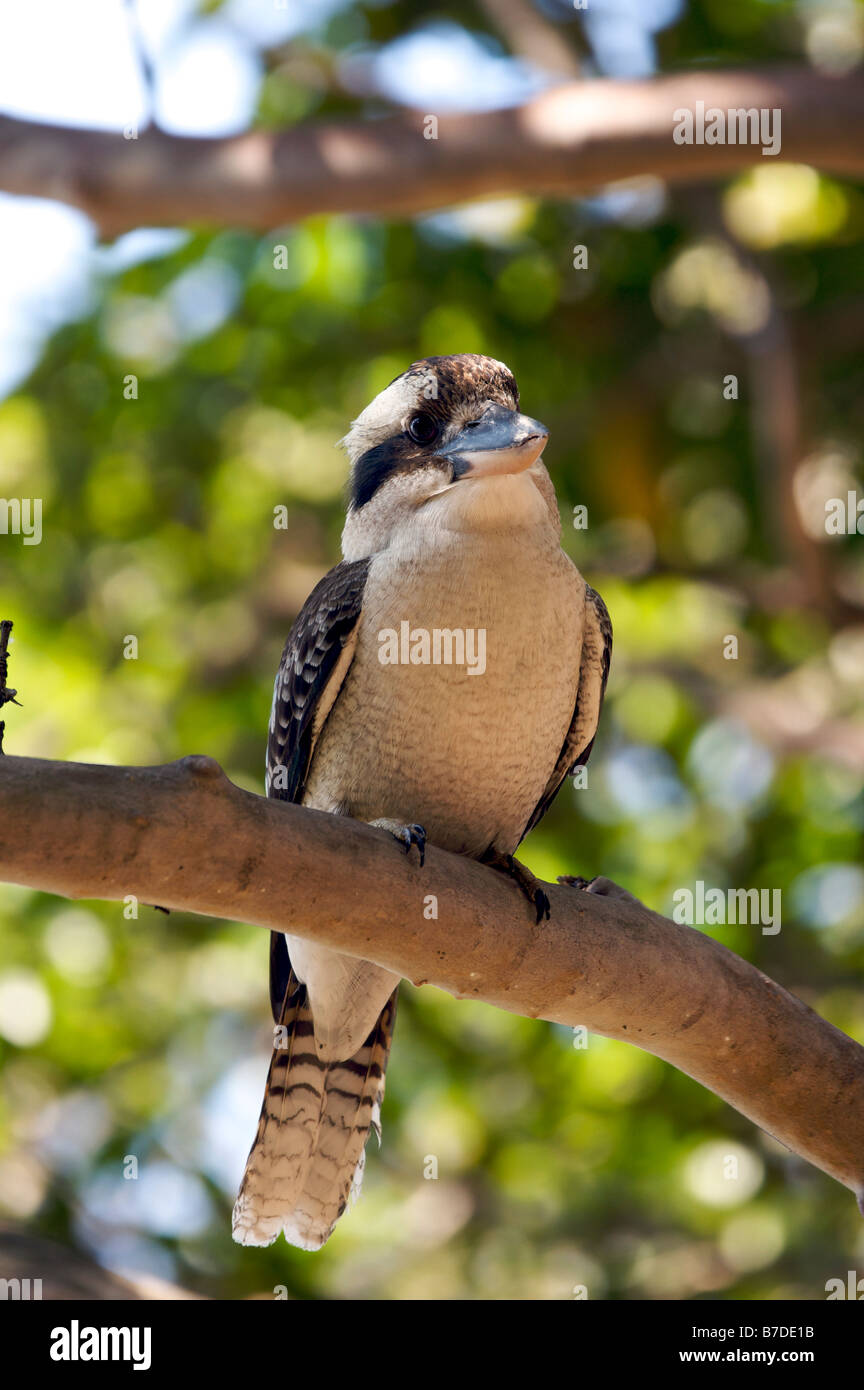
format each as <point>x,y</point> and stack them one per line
<point>307,1160</point>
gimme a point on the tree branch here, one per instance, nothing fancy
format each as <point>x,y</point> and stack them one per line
<point>7,694</point>
<point>571,139</point>
<point>43,1269</point>
<point>185,836</point>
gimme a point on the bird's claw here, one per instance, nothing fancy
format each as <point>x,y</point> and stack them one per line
<point>528,882</point>
<point>531,888</point>
<point>407,835</point>
<point>542,906</point>
<point>414,835</point>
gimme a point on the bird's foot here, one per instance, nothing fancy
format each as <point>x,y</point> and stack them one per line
<point>603,887</point>
<point>528,882</point>
<point>407,835</point>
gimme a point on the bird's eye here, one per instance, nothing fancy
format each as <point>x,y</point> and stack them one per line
<point>422,429</point>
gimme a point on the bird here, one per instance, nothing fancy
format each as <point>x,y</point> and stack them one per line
<point>452,528</point>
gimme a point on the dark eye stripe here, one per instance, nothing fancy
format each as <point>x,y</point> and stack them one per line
<point>374,468</point>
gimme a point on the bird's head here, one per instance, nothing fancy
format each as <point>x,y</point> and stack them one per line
<point>446,436</point>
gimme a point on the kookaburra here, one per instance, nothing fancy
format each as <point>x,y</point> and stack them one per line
<point>452,528</point>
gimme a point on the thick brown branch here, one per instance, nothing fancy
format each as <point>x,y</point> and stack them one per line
<point>571,139</point>
<point>185,836</point>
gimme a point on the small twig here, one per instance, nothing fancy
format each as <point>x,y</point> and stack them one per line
<point>7,695</point>
<point>148,74</point>
<point>534,37</point>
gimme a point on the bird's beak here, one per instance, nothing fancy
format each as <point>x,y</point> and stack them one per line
<point>501,441</point>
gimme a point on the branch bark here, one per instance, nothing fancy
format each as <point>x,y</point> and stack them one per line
<point>37,1268</point>
<point>184,836</point>
<point>567,141</point>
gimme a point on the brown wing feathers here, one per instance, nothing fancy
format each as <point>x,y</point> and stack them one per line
<point>593,675</point>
